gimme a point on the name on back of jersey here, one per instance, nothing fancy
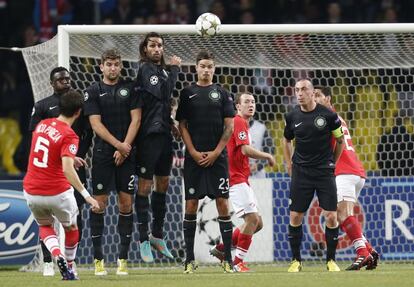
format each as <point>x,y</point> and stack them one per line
<point>50,131</point>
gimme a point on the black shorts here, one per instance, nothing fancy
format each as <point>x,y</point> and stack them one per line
<point>154,155</point>
<point>210,181</point>
<point>104,171</point>
<point>307,180</point>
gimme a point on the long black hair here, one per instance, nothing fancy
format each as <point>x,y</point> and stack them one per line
<point>143,45</point>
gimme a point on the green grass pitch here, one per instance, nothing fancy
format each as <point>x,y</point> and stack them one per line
<point>399,275</point>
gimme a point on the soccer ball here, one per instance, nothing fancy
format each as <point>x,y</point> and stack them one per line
<point>208,25</point>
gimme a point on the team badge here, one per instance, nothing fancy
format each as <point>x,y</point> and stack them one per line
<point>123,93</point>
<point>99,186</point>
<point>153,80</point>
<point>73,149</point>
<point>214,95</point>
<point>320,122</point>
<point>242,135</point>
<point>86,96</point>
<point>191,190</point>
<point>143,170</point>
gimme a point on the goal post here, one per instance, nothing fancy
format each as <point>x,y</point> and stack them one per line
<point>368,67</point>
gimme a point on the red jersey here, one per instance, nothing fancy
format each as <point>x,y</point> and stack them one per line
<point>238,162</point>
<point>52,139</point>
<point>348,162</point>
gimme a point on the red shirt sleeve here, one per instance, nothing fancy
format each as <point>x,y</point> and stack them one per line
<point>241,132</point>
<point>69,145</point>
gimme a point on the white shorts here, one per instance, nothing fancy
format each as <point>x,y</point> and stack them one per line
<point>348,187</point>
<point>243,199</point>
<point>62,206</point>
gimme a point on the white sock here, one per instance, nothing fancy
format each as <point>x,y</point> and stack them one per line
<point>52,243</point>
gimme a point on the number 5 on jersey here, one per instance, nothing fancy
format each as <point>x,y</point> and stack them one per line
<point>41,146</point>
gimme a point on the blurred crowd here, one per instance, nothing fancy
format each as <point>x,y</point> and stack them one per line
<point>27,23</point>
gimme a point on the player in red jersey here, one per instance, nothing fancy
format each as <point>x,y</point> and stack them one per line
<point>241,194</point>
<point>50,177</point>
<point>350,179</point>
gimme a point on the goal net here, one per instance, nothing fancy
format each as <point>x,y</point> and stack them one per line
<point>367,67</point>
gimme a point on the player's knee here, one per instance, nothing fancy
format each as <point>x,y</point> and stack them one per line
<point>296,218</point>
<point>191,206</point>
<point>70,227</point>
<point>341,215</point>
<point>125,207</point>
<point>162,183</point>
<point>222,206</point>
<point>144,187</point>
<point>125,202</point>
<point>252,219</point>
<point>331,218</point>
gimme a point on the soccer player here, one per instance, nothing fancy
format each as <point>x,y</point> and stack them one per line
<point>114,114</point>
<point>312,168</point>
<point>49,108</point>
<point>242,196</point>
<point>350,179</point>
<point>50,177</point>
<point>154,142</point>
<point>205,114</point>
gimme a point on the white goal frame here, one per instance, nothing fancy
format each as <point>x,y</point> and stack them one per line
<point>65,30</point>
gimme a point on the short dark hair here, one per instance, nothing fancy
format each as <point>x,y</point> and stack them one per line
<point>238,96</point>
<point>57,70</point>
<point>325,90</point>
<point>70,102</point>
<point>204,55</point>
<point>144,43</point>
<point>306,79</point>
<point>110,54</point>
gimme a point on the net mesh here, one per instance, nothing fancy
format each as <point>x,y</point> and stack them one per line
<point>371,78</point>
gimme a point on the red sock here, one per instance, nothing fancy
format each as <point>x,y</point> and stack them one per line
<point>242,247</point>
<point>71,244</point>
<point>368,246</point>
<point>71,237</point>
<point>353,229</point>
<point>234,240</point>
<point>48,235</point>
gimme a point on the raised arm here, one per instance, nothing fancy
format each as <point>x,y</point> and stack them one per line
<point>172,78</point>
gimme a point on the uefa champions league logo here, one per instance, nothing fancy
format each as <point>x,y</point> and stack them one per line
<point>153,80</point>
